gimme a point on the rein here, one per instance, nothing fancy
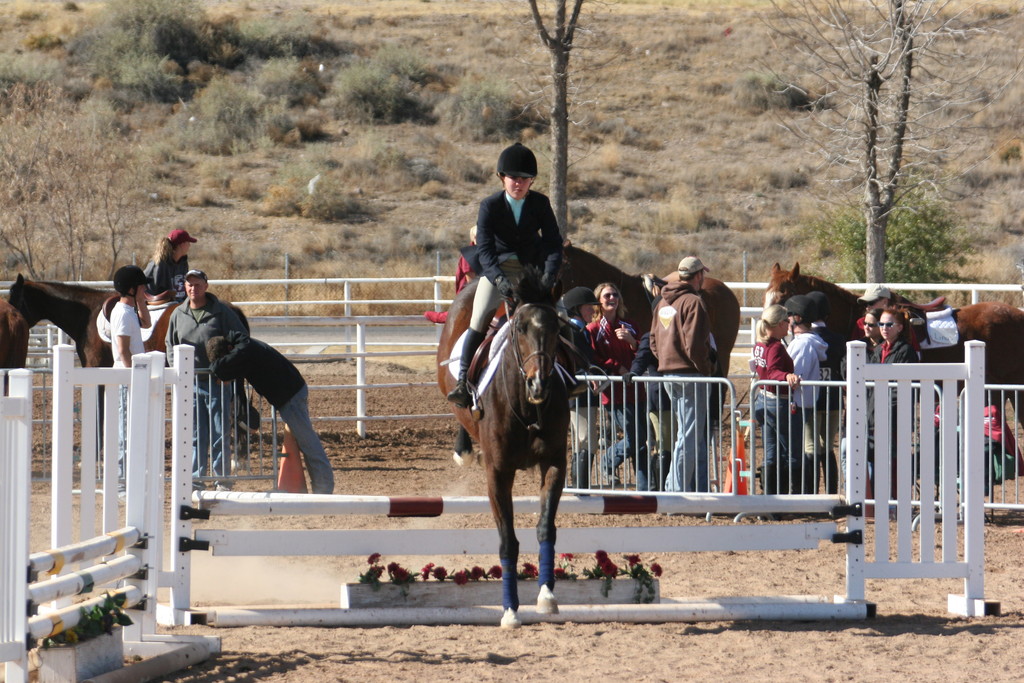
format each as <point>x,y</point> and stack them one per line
<point>545,367</point>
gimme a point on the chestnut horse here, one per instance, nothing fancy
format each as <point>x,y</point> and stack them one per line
<point>999,325</point>
<point>524,423</point>
<point>581,268</point>
<point>13,337</point>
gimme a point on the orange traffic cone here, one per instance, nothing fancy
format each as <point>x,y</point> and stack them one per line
<point>740,458</point>
<point>291,478</point>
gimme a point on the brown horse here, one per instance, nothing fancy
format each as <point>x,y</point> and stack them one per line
<point>74,309</point>
<point>13,337</point>
<point>524,423</point>
<point>1000,326</point>
<point>581,268</point>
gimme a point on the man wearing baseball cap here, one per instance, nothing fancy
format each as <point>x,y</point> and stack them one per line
<point>169,264</point>
<point>681,341</point>
<point>195,322</point>
<point>875,296</point>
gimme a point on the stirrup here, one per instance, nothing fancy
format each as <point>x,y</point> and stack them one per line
<point>460,395</point>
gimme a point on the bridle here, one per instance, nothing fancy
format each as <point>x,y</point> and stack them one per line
<point>545,363</point>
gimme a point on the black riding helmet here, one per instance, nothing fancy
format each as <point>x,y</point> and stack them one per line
<point>517,161</point>
<point>820,300</point>
<point>803,306</point>
<point>576,297</point>
<point>127,278</point>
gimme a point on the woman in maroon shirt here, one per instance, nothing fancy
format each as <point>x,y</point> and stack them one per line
<point>772,409</point>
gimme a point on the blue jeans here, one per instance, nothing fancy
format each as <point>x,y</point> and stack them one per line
<point>212,419</point>
<point>295,413</point>
<point>782,436</point>
<point>624,417</point>
<point>689,468</point>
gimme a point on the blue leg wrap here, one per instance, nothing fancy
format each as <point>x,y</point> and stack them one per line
<point>546,568</point>
<point>509,586</point>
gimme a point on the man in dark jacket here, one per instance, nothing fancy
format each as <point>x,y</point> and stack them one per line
<point>275,378</point>
<point>681,341</point>
<point>830,400</point>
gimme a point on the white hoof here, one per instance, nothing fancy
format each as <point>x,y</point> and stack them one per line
<point>510,619</point>
<point>458,459</point>
<point>546,603</point>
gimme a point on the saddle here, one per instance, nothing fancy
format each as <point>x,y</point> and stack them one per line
<point>936,304</point>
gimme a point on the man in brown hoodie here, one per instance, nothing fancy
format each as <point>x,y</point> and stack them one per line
<point>680,339</point>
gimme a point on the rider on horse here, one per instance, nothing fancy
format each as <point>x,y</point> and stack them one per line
<point>515,228</point>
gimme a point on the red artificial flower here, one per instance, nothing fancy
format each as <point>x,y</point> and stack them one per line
<point>494,572</point>
<point>373,559</point>
<point>633,560</point>
<point>609,568</point>
<point>566,556</point>
<point>440,573</point>
<point>460,578</point>
<point>656,569</point>
<point>560,573</point>
<point>425,572</point>
<point>477,573</point>
<point>530,570</point>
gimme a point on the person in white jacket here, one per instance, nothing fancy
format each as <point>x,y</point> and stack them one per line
<point>808,351</point>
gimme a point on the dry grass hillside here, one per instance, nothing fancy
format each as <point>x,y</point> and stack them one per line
<point>671,154</point>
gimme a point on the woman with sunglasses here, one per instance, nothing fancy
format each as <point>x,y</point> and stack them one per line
<point>895,348</point>
<point>615,341</point>
<point>872,334</point>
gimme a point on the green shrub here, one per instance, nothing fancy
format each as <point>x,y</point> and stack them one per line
<point>485,111</point>
<point>295,36</point>
<point>924,241</point>
<point>761,92</point>
<point>383,89</point>
<point>225,118</point>
<point>285,78</point>
<point>29,69</point>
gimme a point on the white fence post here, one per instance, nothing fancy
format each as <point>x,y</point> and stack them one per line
<point>15,487</point>
<point>182,378</point>
<point>361,379</point>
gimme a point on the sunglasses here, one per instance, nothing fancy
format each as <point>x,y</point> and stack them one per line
<point>610,295</point>
<point>870,324</point>
<point>885,326</point>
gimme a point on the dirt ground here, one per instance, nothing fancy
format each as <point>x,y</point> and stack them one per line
<point>912,638</point>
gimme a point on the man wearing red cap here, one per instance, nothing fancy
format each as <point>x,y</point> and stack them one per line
<point>169,265</point>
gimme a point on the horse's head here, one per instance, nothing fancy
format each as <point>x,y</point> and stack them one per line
<point>534,341</point>
<point>17,298</point>
<point>783,284</point>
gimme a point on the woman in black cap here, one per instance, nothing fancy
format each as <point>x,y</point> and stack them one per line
<point>515,228</point>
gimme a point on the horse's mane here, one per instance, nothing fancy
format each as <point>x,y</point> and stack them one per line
<point>818,284</point>
<point>531,290</point>
<point>67,291</point>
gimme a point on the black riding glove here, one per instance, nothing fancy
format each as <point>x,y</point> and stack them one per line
<point>504,286</point>
<point>547,281</point>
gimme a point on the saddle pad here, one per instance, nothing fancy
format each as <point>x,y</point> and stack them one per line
<point>497,346</point>
<point>155,313</point>
<point>942,330</point>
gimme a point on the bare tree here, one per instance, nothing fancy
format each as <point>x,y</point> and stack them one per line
<point>69,187</point>
<point>558,39</point>
<point>899,87</point>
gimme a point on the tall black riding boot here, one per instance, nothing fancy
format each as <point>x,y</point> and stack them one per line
<point>460,394</point>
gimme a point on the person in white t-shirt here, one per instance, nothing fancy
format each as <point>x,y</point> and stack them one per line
<point>129,315</point>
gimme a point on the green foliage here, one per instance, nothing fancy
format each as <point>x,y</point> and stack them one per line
<point>102,618</point>
<point>294,36</point>
<point>227,118</point>
<point>761,92</point>
<point>924,241</point>
<point>287,79</point>
<point>383,89</point>
<point>28,69</point>
<point>484,111</point>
